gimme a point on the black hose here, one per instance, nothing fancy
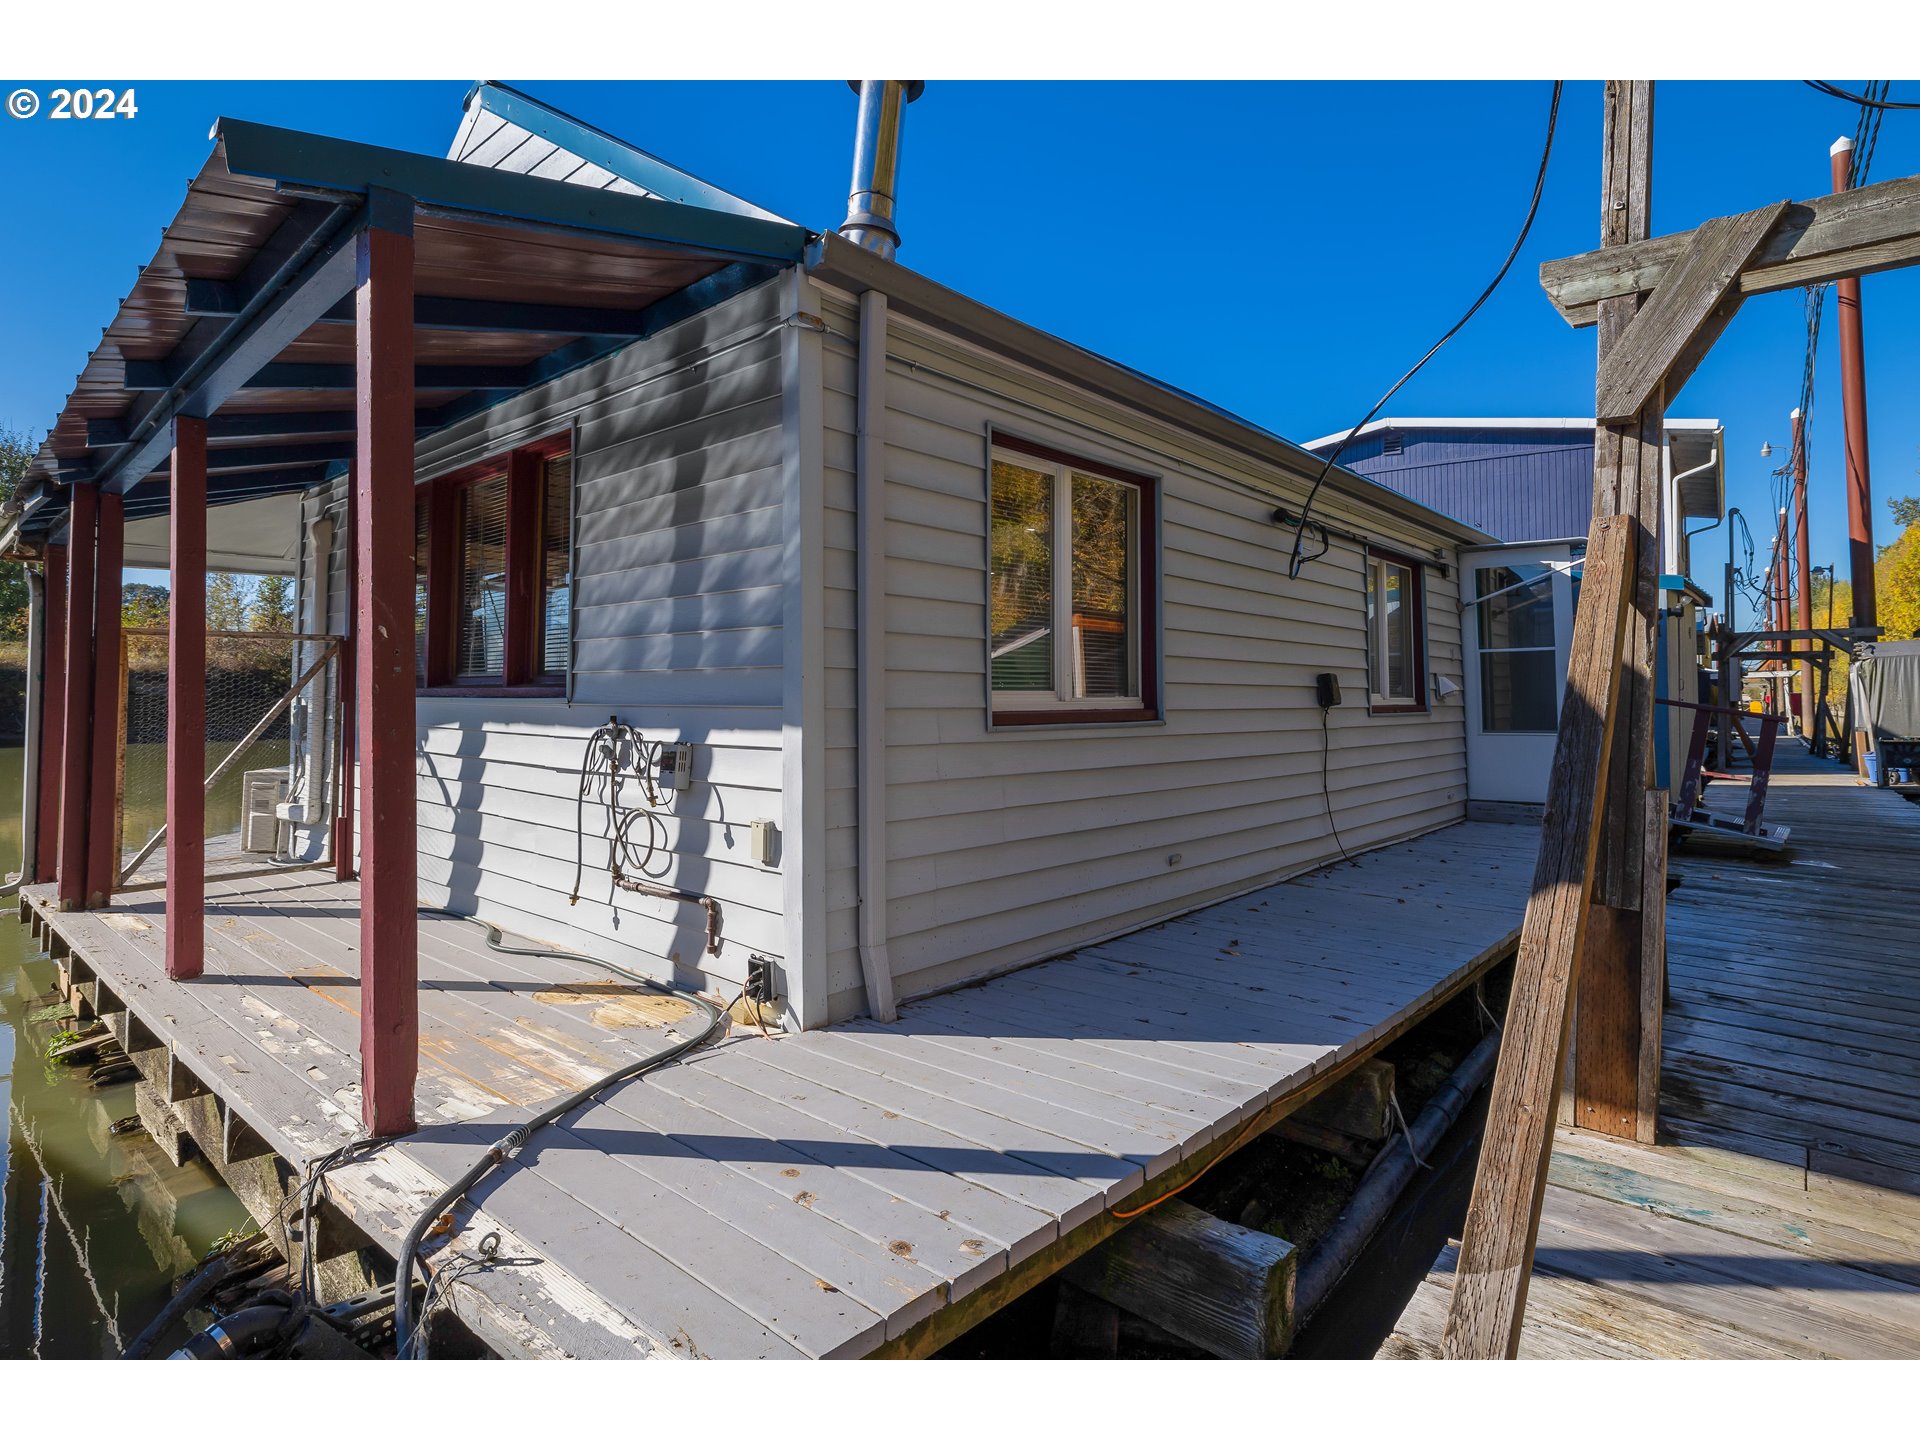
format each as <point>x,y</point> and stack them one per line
<point>1324,1265</point>
<point>240,1336</point>
<point>408,1345</point>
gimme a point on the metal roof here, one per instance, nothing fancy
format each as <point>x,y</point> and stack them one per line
<point>244,314</point>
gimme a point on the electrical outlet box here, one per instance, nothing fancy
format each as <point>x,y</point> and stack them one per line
<point>760,981</point>
<point>673,766</point>
<point>763,838</point>
<point>1326,685</point>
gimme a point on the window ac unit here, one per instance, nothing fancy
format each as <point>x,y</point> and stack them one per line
<point>261,791</point>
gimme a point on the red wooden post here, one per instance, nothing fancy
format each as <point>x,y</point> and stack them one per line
<point>103,831</point>
<point>383,538</point>
<point>77,706</point>
<point>348,662</point>
<point>187,704</point>
<point>53,710</point>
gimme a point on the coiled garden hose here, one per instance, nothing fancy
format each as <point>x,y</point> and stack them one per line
<point>407,1344</point>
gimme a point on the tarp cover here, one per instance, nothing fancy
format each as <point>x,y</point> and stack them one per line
<point>1887,681</point>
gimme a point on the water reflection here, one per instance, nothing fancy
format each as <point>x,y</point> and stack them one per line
<point>94,1225</point>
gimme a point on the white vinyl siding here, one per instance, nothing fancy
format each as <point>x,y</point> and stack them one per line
<point>677,598</point>
<point>1008,845</point>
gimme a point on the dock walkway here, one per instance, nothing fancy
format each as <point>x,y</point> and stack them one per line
<point>867,1188</point>
<point>1780,1214</point>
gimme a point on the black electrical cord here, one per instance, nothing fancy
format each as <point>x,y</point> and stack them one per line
<point>409,1344</point>
<point>1326,788</point>
<point>1297,560</point>
<point>1871,103</point>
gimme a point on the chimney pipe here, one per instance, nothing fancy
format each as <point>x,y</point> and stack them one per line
<point>876,162</point>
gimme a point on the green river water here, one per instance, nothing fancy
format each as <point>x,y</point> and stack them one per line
<point>94,1227</point>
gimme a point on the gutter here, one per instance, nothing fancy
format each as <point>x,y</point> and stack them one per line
<point>836,261</point>
<point>870,589</point>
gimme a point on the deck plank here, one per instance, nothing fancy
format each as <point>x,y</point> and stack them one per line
<point>1780,1214</point>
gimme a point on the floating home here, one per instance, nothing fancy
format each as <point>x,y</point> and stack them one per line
<point>682,590</point>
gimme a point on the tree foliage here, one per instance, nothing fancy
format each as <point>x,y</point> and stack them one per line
<point>16,451</point>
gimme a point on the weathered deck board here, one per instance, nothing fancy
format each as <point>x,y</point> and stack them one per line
<point>817,1194</point>
<point>1780,1214</point>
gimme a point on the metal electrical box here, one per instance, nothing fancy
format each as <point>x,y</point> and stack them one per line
<point>762,843</point>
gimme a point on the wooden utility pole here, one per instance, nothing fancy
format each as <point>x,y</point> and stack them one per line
<point>1853,401</point>
<point>1613,1025</point>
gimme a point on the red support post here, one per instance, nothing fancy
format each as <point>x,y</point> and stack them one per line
<point>343,866</point>
<point>103,828</point>
<point>383,538</point>
<point>187,704</point>
<point>76,727</point>
<point>53,710</point>
<point>1803,572</point>
<point>1853,404</point>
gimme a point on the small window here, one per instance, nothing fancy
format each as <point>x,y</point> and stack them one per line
<point>494,573</point>
<point>1396,641</point>
<point>1519,683</point>
<point>1068,590</point>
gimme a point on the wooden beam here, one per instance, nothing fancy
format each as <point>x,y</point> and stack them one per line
<point>1218,1286</point>
<point>103,831</point>
<point>1496,1255</point>
<point>187,703</point>
<point>344,867</point>
<point>77,738</point>
<point>1856,232</point>
<point>383,632</point>
<point>53,713</point>
<point>1653,973</point>
<point>1687,312</point>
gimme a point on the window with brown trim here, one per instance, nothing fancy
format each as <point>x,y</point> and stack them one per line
<point>494,574</point>
<point>1396,633</point>
<point>1071,590</point>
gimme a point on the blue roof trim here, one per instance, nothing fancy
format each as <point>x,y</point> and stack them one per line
<point>292,157</point>
<point>629,162</point>
<point>1683,584</point>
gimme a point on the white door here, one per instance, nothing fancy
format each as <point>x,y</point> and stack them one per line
<point>1519,632</point>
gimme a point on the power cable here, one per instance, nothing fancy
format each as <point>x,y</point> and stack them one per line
<point>1297,560</point>
<point>1326,789</point>
<point>1873,103</point>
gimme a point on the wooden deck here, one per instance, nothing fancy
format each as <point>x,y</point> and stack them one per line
<point>864,1189</point>
<point>1780,1215</point>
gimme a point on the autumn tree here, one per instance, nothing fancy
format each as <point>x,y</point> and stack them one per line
<point>16,452</point>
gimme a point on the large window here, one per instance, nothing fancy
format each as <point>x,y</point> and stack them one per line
<point>1070,590</point>
<point>1519,684</point>
<point>1396,638</point>
<point>493,579</point>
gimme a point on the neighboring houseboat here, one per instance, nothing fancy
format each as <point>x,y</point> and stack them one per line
<point>1529,482</point>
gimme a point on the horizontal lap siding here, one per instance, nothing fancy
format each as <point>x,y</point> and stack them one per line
<point>677,625</point>
<point>1008,847</point>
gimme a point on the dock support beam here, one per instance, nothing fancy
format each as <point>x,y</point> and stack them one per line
<point>1853,404</point>
<point>187,704</point>
<point>53,709</point>
<point>383,541</point>
<point>103,824</point>
<point>77,718</point>
<point>344,868</point>
<point>1611,1029</point>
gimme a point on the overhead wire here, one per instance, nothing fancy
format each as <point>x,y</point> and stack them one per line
<point>1299,558</point>
<point>1872,102</point>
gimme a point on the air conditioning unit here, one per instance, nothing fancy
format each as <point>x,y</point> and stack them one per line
<point>261,792</point>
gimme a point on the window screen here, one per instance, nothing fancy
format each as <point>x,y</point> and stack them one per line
<point>556,562</point>
<point>1518,666</point>
<point>1103,648</point>
<point>1022,584</point>
<point>482,613</point>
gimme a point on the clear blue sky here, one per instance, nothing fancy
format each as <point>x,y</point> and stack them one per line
<point>1284,250</point>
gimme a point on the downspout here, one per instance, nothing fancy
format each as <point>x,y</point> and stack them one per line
<point>870,583</point>
<point>30,726</point>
